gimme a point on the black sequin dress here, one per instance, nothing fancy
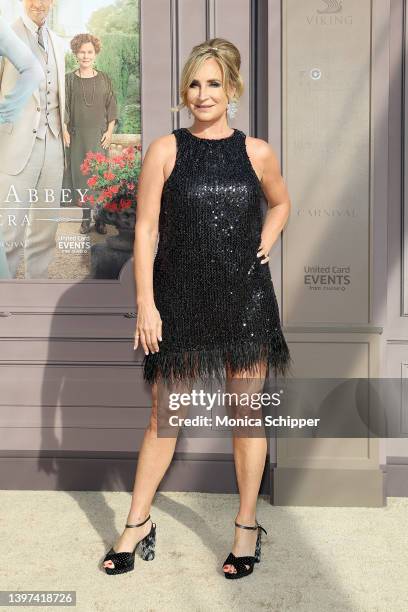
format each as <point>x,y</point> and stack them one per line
<point>215,298</point>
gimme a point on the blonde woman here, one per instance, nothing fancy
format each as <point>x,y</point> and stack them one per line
<point>206,303</point>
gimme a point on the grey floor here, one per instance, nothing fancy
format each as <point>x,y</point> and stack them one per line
<point>313,559</point>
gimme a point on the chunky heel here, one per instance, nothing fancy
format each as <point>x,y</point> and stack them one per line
<point>125,561</point>
<point>241,563</point>
<point>258,545</point>
<point>148,544</point>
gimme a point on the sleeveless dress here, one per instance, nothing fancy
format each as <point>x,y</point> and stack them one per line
<point>215,298</point>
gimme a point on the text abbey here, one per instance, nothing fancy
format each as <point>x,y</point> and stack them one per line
<point>48,196</point>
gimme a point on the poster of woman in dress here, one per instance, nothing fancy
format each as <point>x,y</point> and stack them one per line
<point>69,163</point>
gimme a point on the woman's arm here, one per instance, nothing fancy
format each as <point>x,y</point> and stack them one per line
<point>111,113</point>
<point>30,70</point>
<point>275,191</point>
<point>107,137</point>
<point>66,134</point>
<point>149,191</point>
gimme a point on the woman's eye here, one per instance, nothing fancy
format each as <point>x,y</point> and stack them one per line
<point>214,84</point>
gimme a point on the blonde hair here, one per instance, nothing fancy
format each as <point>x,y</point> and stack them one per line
<point>228,58</point>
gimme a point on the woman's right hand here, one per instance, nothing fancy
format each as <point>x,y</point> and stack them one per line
<point>148,328</point>
<point>67,138</point>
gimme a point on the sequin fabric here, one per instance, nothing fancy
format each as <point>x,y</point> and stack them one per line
<point>215,298</point>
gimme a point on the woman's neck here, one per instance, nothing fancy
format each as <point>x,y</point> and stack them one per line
<point>86,72</point>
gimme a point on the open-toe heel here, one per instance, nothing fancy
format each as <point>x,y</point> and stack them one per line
<point>148,545</point>
<point>125,561</point>
<point>240,563</point>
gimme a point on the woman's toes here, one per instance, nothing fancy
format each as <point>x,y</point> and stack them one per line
<point>229,569</point>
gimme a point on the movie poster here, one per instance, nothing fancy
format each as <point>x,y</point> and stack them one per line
<point>70,150</point>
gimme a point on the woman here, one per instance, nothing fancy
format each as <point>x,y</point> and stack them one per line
<point>211,294</point>
<point>90,116</point>
<point>31,73</point>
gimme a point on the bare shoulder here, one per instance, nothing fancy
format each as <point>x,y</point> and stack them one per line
<point>161,153</point>
<point>162,147</point>
<point>164,141</point>
<point>259,148</point>
<point>263,157</point>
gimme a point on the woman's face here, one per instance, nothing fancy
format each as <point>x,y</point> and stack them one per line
<point>206,97</point>
<point>86,55</point>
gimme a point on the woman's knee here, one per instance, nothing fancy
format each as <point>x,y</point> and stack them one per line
<point>159,415</point>
<point>153,414</point>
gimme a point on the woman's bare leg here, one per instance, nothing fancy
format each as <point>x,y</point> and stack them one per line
<point>155,457</point>
<point>249,457</point>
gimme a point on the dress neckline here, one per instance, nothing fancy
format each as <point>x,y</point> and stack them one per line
<point>87,78</point>
<point>212,139</point>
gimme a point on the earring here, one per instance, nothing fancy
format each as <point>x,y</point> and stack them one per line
<point>189,113</point>
<point>232,108</point>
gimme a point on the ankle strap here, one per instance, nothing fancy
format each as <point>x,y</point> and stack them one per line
<point>257,526</point>
<point>139,524</point>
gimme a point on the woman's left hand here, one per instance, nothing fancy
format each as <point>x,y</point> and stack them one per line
<point>263,251</point>
<point>106,140</point>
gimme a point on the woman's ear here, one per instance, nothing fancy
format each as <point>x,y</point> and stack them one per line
<point>232,93</point>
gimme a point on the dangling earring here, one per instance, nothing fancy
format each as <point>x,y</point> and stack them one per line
<point>189,113</point>
<point>232,108</point>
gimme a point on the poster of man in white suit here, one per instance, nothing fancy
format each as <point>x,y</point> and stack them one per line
<point>32,149</point>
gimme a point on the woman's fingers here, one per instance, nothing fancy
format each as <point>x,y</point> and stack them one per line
<point>155,342</point>
<point>152,341</point>
<point>105,141</point>
<point>67,139</point>
<point>263,253</point>
<point>143,342</point>
<point>148,330</point>
<point>148,340</point>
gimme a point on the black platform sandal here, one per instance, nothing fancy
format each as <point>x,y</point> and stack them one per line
<point>125,561</point>
<point>240,563</point>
